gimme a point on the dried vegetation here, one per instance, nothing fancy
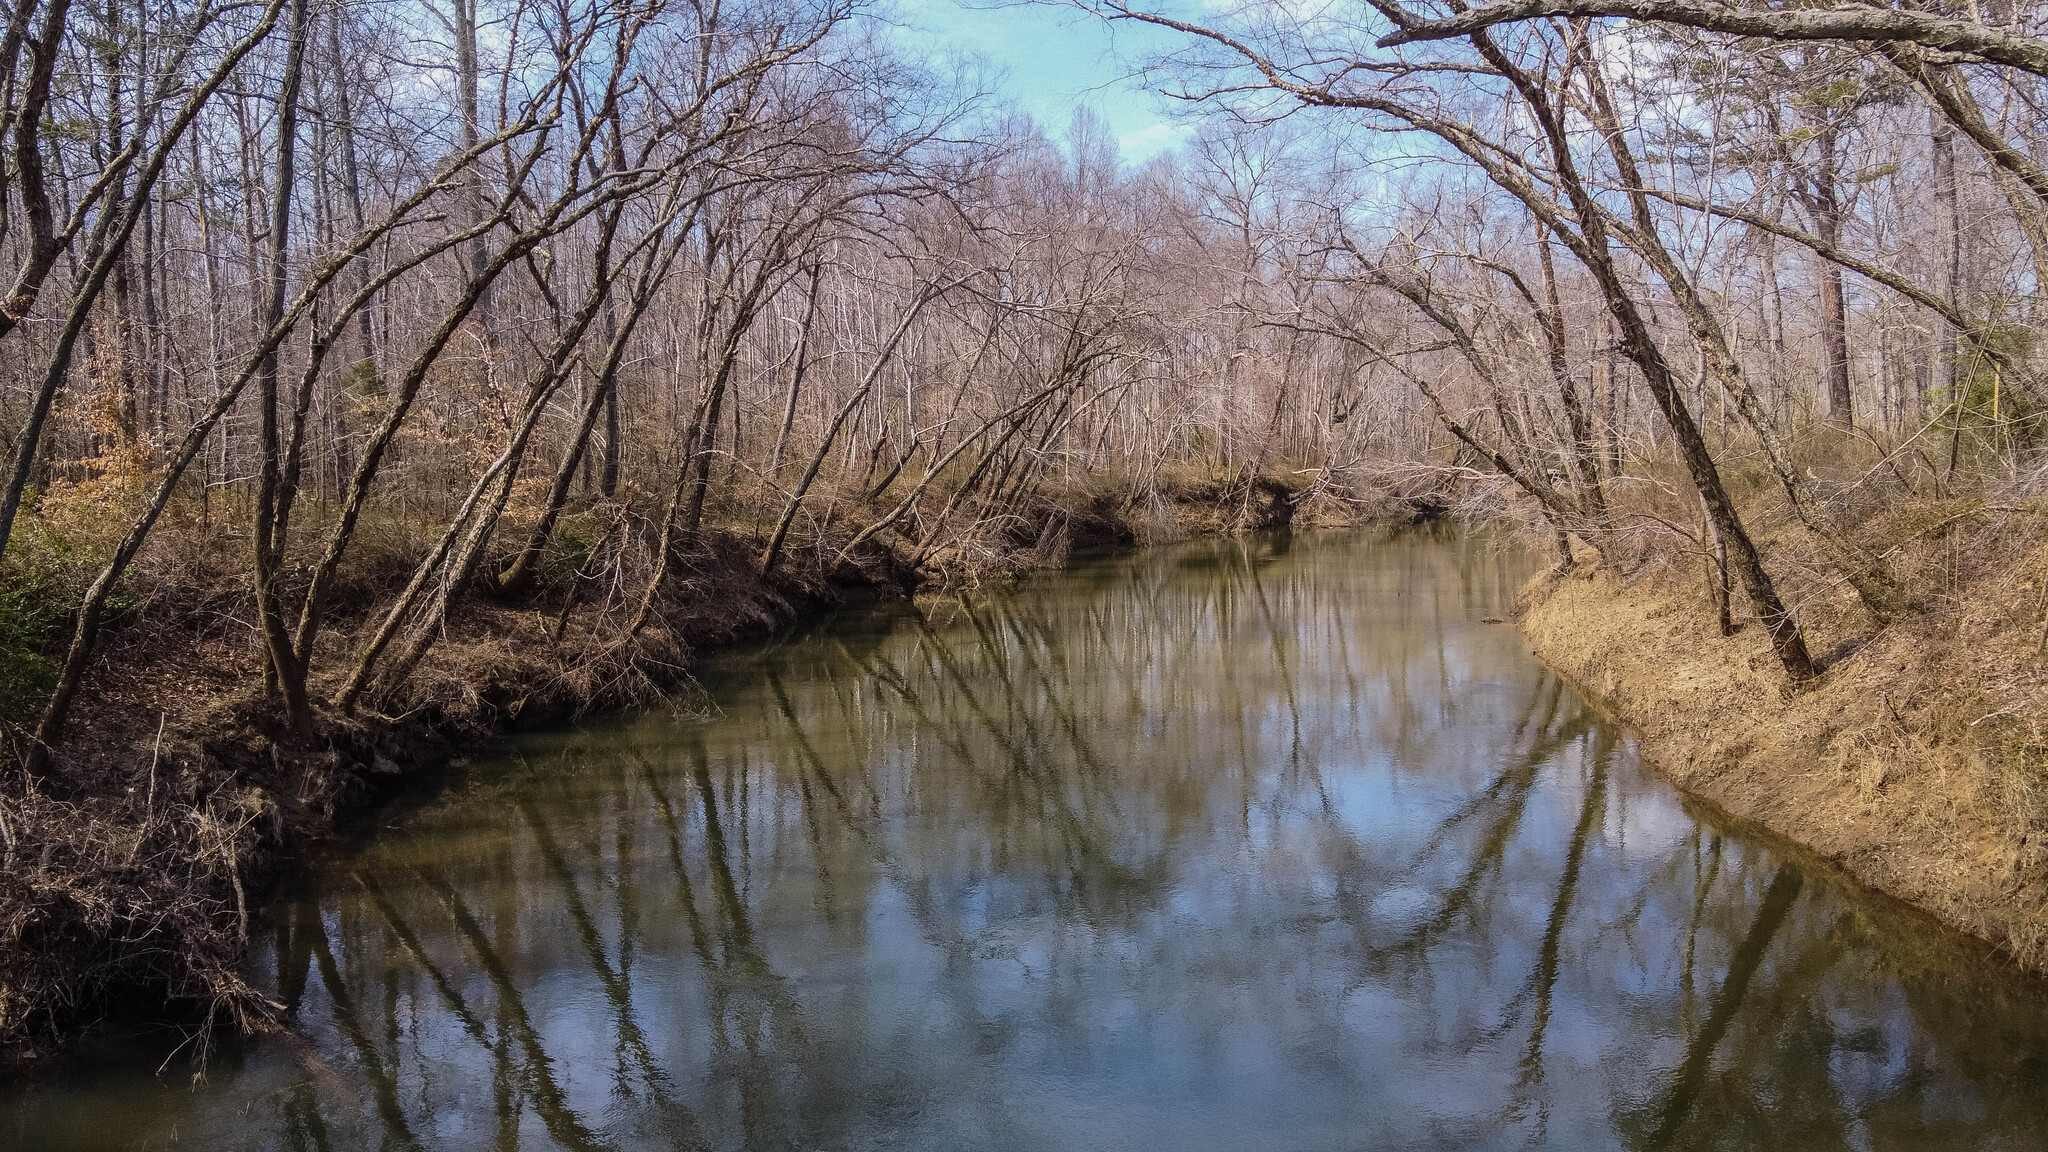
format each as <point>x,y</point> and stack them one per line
<point>1919,758</point>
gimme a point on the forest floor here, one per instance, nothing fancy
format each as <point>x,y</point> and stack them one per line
<point>137,873</point>
<point>1915,762</point>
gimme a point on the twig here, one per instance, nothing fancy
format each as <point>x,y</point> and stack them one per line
<point>2041,606</point>
<point>149,803</point>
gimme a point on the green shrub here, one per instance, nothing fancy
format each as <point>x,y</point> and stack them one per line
<point>41,579</point>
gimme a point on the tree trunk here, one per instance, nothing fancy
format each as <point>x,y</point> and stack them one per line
<point>1948,251</point>
<point>796,372</point>
<point>773,552</point>
<point>269,535</point>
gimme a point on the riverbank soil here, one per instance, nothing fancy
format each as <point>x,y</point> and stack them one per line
<point>1914,762</point>
<point>134,869</point>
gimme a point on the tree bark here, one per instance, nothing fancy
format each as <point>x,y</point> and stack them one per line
<point>288,673</point>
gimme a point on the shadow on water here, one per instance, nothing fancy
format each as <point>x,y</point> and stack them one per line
<point>1249,844</point>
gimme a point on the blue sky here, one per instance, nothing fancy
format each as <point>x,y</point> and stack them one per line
<point>1054,60</point>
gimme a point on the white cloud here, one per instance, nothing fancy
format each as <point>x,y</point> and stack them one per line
<point>1142,145</point>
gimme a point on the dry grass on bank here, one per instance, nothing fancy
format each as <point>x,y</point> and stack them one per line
<point>1916,761</point>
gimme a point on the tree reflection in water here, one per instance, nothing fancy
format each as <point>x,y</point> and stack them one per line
<point>1267,844</point>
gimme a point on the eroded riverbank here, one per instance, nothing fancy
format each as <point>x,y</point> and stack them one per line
<point>1910,763</point>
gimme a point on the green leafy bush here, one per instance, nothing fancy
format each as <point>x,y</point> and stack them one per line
<point>40,581</point>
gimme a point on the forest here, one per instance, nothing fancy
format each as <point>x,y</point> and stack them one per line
<point>374,374</point>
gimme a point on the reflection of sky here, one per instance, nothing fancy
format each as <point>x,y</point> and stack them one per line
<point>1050,62</point>
<point>1253,845</point>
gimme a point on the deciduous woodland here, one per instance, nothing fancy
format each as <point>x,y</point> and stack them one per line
<point>377,369</point>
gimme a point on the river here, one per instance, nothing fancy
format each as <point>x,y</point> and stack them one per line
<point>1279,843</point>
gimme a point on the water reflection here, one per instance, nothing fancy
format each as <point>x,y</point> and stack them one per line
<point>1267,844</point>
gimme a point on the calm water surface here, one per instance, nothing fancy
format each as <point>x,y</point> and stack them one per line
<point>1275,844</point>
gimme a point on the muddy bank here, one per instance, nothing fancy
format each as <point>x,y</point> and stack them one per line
<point>136,868</point>
<point>1913,762</point>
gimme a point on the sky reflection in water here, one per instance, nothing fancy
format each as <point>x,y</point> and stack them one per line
<point>1262,844</point>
